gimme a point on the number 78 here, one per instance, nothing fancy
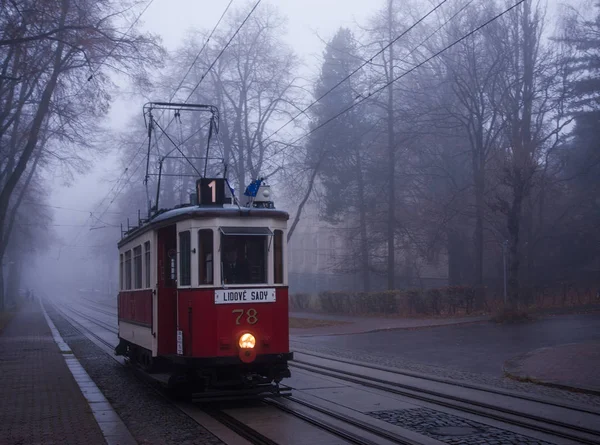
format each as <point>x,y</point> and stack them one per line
<point>251,315</point>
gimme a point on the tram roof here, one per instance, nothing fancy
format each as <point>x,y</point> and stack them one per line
<point>197,212</point>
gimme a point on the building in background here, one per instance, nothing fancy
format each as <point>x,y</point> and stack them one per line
<point>319,260</point>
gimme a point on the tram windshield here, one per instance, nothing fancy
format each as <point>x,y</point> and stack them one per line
<point>244,257</point>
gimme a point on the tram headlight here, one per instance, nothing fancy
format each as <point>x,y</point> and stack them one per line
<point>247,341</point>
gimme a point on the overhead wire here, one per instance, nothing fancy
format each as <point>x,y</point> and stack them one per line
<point>63,208</point>
<point>365,63</point>
<point>420,64</point>
<point>224,48</point>
<point>172,96</point>
<point>94,71</point>
<point>121,39</point>
<point>448,20</point>
<point>164,131</point>
<point>452,17</point>
<point>201,51</point>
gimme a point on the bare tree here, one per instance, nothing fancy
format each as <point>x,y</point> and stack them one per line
<point>47,102</point>
<point>532,109</point>
<point>254,86</point>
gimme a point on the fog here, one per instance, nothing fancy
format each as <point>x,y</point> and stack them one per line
<point>445,230</point>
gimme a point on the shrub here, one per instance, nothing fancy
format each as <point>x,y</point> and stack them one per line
<point>437,301</point>
<point>300,302</point>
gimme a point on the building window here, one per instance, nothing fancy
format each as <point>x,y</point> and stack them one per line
<point>205,251</point>
<point>185,244</point>
<point>137,267</point>
<point>147,262</point>
<point>128,270</point>
<point>121,271</point>
<point>331,248</point>
<point>278,256</point>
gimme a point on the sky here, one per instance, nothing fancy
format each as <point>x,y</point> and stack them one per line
<point>310,22</point>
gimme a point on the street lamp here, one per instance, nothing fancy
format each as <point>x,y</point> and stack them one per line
<point>504,247</point>
<point>504,255</point>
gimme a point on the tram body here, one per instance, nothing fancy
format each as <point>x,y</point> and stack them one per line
<point>204,295</point>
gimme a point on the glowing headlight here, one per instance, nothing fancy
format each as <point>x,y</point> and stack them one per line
<point>247,341</point>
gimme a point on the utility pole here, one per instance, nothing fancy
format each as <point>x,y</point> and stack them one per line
<point>391,263</point>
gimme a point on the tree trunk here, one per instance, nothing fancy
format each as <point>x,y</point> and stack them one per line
<point>32,139</point>
<point>364,242</point>
<point>513,226</point>
<point>391,261</point>
<point>479,217</point>
<point>311,184</point>
<point>458,258</point>
<point>2,293</point>
<point>13,278</point>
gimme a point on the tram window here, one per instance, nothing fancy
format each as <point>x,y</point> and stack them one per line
<point>128,270</point>
<point>278,256</point>
<point>137,267</point>
<point>244,259</point>
<point>147,262</point>
<point>205,250</point>
<point>185,247</point>
<point>121,271</point>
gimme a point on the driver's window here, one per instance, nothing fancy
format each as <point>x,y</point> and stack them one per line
<point>243,259</point>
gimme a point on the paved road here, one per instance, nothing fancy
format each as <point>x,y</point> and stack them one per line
<point>479,348</point>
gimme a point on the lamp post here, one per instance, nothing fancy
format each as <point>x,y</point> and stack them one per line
<point>504,256</point>
<point>504,247</point>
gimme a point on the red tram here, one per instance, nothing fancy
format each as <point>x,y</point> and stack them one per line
<point>203,293</point>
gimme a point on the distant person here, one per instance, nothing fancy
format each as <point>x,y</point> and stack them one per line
<point>235,270</point>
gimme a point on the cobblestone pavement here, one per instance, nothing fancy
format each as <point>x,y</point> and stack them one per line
<point>451,429</point>
<point>396,361</point>
<point>40,402</point>
<point>150,417</point>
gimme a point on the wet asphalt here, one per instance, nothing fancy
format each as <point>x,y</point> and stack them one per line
<point>479,348</point>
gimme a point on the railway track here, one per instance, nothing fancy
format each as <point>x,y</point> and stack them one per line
<point>318,415</point>
<point>530,421</point>
<point>314,414</point>
<point>342,427</point>
<point>458,383</point>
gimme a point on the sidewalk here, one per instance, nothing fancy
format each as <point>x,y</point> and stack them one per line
<point>40,401</point>
<point>360,325</point>
<point>573,366</point>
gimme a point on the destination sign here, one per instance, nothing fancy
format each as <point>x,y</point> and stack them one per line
<point>225,296</point>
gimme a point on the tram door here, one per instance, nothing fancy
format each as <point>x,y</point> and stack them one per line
<point>167,290</point>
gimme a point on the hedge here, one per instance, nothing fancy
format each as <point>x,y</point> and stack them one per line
<point>437,301</point>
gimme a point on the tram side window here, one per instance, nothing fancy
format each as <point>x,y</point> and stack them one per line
<point>128,270</point>
<point>205,250</point>
<point>121,271</point>
<point>185,271</point>
<point>147,263</point>
<point>137,267</point>
<point>244,259</point>
<point>278,256</point>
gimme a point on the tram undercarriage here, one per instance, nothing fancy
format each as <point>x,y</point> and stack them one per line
<point>212,378</point>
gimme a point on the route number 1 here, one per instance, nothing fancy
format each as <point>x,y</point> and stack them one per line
<point>211,191</point>
<point>213,186</point>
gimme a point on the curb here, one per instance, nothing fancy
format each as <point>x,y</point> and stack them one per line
<point>393,328</point>
<point>512,370</point>
<point>112,426</point>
